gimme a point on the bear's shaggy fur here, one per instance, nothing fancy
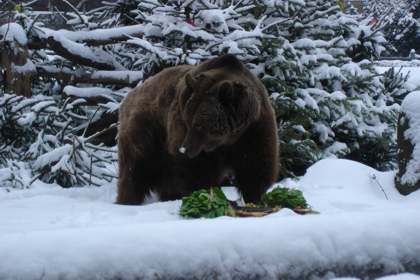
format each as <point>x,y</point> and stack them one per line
<point>190,127</point>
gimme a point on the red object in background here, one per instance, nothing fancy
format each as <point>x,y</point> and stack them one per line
<point>190,21</point>
<point>373,21</point>
<point>5,21</point>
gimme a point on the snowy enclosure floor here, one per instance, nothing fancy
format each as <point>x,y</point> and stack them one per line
<point>51,233</point>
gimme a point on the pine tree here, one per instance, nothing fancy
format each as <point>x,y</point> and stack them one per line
<point>399,22</point>
<point>314,60</point>
<point>310,56</point>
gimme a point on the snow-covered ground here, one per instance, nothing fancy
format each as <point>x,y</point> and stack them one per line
<point>400,276</point>
<point>51,233</point>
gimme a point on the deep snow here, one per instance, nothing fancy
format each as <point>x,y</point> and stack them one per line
<point>49,233</point>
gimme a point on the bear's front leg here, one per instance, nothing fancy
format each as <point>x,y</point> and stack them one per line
<point>256,160</point>
<point>132,188</point>
<point>136,146</point>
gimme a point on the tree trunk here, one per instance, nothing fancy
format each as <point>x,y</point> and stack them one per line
<point>405,153</point>
<point>18,69</point>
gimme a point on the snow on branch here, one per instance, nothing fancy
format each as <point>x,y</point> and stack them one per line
<point>124,78</point>
<point>93,94</point>
<point>81,54</point>
<point>13,32</point>
<point>97,37</point>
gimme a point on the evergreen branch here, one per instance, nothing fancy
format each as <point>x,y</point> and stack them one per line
<point>76,12</point>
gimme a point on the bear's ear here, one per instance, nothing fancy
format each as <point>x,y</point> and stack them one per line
<point>193,82</point>
<point>190,81</point>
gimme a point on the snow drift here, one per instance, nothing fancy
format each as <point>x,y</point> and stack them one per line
<point>47,232</point>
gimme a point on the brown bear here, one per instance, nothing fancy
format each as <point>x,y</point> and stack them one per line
<point>191,127</point>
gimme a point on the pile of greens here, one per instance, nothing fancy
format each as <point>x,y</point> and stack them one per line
<point>205,203</point>
<point>284,197</point>
<point>212,202</point>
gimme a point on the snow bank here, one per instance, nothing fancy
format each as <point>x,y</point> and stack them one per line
<point>411,108</point>
<point>55,233</point>
<point>344,184</point>
<point>402,276</point>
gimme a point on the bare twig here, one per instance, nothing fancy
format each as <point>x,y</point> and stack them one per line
<point>112,126</point>
<point>32,24</point>
<point>373,178</point>
<point>90,121</point>
<point>76,12</point>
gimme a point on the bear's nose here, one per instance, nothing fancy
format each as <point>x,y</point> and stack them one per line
<point>191,153</point>
<point>193,144</point>
<point>182,150</point>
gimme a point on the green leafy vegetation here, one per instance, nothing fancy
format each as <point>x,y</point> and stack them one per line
<point>205,203</point>
<point>212,203</point>
<point>284,197</point>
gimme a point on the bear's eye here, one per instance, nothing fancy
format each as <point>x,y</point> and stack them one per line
<point>185,96</point>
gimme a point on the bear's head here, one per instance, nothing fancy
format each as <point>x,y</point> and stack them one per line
<point>213,109</point>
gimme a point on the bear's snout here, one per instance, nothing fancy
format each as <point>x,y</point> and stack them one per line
<point>191,153</point>
<point>192,145</point>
